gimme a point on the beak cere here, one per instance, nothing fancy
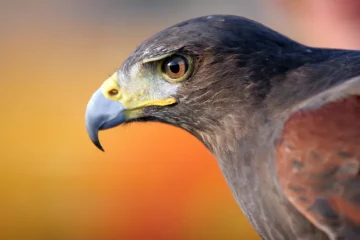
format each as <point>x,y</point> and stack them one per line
<point>102,113</point>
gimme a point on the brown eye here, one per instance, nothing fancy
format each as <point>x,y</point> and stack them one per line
<point>175,67</point>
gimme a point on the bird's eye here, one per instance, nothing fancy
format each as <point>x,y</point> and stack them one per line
<point>175,68</point>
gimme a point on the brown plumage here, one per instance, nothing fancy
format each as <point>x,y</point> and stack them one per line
<point>318,165</point>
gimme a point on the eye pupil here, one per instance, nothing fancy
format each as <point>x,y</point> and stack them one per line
<point>174,66</point>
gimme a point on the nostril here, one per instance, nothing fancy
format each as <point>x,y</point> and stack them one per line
<point>113,92</point>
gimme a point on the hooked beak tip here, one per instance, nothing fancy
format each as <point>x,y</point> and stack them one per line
<point>98,145</point>
<point>93,134</point>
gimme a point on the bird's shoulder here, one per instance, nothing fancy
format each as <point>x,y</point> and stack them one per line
<point>318,166</point>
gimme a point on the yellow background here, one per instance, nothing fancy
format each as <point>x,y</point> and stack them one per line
<point>153,182</point>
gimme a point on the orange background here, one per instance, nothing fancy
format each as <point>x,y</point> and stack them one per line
<point>153,182</point>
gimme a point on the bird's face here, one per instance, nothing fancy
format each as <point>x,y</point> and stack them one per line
<point>169,78</point>
<point>123,97</point>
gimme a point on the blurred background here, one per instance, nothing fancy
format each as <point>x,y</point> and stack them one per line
<point>154,181</point>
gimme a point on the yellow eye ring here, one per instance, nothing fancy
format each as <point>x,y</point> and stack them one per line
<point>175,68</point>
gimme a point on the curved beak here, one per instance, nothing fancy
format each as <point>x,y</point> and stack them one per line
<point>102,113</point>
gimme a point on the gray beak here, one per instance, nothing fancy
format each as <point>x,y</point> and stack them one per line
<point>101,114</point>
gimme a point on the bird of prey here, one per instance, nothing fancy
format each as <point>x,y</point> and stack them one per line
<point>281,118</point>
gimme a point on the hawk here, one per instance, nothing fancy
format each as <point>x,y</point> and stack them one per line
<point>281,118</point>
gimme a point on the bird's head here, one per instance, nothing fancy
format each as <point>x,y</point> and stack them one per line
<point>197,75</point>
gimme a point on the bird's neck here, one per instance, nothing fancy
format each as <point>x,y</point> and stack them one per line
<point>245,160</point>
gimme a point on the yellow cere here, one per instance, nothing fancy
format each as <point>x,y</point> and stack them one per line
<point>130,101</point>
<point>109,85</point>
